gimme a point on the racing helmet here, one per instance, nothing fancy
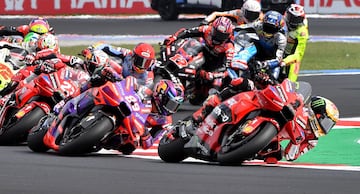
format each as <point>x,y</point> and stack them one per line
<point>30,41</point>
<point>48,41</point>
<point>168,96</point>
<point>222,29</point>
<point>251,10</point>
<point>39,25</point>
<point>143,57</point>
<point>326,114</point>
<point>96,60</point>
<point>272,23</point>
<point>294,16</point>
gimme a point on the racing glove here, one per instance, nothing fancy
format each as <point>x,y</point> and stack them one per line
<point>76,61</point>
<point>170,40</point>
<point>29,59</point>
<point>110,74</point>
<point>212,75</point>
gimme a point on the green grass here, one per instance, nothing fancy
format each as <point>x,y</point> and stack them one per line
<point>318,55</point>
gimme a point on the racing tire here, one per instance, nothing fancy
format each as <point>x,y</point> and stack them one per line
<point>167,10</point>
<point>172,151</point>
<point>85,141</point>
<point>35,138</point>
<point>252,145</point>
<point>18,132</point>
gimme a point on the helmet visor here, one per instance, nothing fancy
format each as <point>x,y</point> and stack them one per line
<point>269,28</point>
<point>171,106</point>
<point>251,15</point>
<point>218,37</point>
<point>141,64</point>
<point>293,21</point>
<point>326,123</point>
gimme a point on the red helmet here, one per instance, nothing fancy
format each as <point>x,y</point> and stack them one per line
<point>294,16</point>
<point>143,57</point>
<point>221,30</point>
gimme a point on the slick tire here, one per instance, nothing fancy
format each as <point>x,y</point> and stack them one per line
<point>35,138</point>
<point>18,132</point>
<point>172,151</point>
<point>249,147</point>
<point>85,140</point>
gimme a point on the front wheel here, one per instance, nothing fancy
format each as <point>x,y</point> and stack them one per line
<point>172,150</point>
<point>35,138</point>
<point>79,140</point>
<point>235,148</point>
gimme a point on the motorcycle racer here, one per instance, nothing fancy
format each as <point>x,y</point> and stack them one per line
<point>248,13</point>
<point>296,40</point>
<point>137,62</point>
<point>218,47</point>
<point>322,116</point>
<point>37,25</point>
<point>272,42</point>
<point>47,47</point>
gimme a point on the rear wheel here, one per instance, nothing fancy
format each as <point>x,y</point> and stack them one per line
<point>235,147</point>
<point>18,132</point>
<point>167,10</point>
<point>79,140</point>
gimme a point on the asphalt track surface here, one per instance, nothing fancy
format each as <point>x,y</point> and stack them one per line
<point>23,171</point>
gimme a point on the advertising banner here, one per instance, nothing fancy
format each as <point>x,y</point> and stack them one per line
<point>104,7</point>
<point>73,7</point>
<point>331,6</point>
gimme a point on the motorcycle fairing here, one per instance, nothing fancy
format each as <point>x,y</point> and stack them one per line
<point>29,107</point>
<point>229,112</point>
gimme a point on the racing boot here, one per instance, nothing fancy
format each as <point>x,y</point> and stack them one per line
<point>210,103</point>
<point>272,153</point>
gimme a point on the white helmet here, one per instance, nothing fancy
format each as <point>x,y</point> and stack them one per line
<point>251,10</point>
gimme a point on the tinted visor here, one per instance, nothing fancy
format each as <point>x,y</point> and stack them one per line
<point>142,64</point>
<point>293,21</point>
<point>219,37</point>
<point>171,105</point>
<point>269,28</point>
<point>326,124</point>
<point>251,16</point>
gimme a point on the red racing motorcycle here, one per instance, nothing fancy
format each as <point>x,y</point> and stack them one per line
<point>240,127</point>
<point>23,108</point>
<point>180,62</point>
